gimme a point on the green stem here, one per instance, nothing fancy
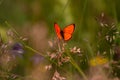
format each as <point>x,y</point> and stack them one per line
<point>28,47</point>
<point>18,35</point>
<point>77,67</point>
<point>12,28</point>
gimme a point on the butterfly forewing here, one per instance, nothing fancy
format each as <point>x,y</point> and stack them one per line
<point>58,30</point>
<point>68,30</point>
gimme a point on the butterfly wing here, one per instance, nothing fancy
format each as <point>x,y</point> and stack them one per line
<point>57,30</point>
<point>68,31</point>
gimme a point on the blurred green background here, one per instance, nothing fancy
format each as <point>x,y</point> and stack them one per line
<point>35,19</point>
<point>80,12</point>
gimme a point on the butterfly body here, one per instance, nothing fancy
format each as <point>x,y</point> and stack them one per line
<point>62,34</point>
<point>66,33</point>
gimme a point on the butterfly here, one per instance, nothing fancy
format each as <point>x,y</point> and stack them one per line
<point>66,33</point>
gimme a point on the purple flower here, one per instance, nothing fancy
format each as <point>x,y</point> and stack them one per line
<point>37,58</point>
<point>17,50</point>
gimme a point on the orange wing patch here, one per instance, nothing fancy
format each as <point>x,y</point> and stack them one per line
<point>67,36</point>
<point>57,30</point>
<point>68,31</point>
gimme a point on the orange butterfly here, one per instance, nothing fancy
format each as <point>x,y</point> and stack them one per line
<point>66,33</point>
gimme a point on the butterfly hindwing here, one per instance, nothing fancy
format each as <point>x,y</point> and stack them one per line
<point>67,36</point>
<point>68,31</point>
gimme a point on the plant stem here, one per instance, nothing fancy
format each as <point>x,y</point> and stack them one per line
<point>77,67</point>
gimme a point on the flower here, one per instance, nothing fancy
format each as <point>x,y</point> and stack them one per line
<point>104,20</point>
<point>17,50</point>
<point>57,76</point>
<point>48,67</point>
<point>98,60</point>
<point>37,58</point>
<point>75,50</point>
